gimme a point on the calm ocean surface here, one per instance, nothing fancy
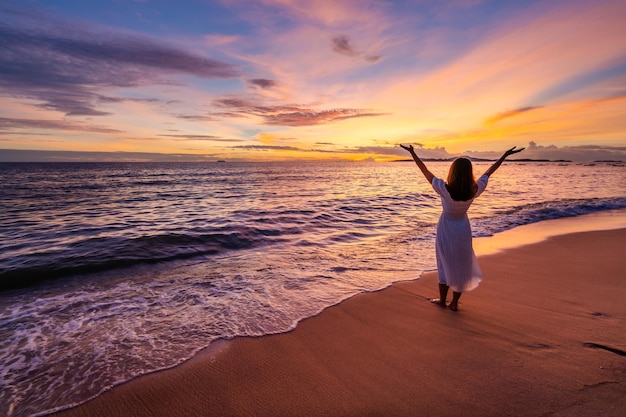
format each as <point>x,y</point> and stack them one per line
<point>109,271</point>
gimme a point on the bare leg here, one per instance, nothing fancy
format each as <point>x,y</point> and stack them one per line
<point>454,305</point>
<point>443,294</point>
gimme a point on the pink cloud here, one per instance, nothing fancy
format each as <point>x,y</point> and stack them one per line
<point>525,57</point>
<point>329,12</point>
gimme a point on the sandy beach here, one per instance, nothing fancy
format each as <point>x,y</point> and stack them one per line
<point>544,335</point>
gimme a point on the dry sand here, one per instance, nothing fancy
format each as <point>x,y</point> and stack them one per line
<point>544,335</point>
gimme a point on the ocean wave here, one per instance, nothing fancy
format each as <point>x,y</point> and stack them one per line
<point>105,253</point>
<point>521,215</point>
<point>95,254</point>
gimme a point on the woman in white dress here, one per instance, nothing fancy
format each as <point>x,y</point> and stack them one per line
<point>457,266</point>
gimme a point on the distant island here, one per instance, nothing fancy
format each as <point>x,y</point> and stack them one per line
<point>485,160</point>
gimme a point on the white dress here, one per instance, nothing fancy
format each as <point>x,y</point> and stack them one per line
<point>457,266</point>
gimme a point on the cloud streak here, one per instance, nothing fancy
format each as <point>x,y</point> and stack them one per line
<point>343,46</point>
<point>17,155</point>
<point>11,123</point>
<point>510,113</point>
<point>209,138</point>
<point>267,147</point>
<point>262,83</point>
<point>290,115</point>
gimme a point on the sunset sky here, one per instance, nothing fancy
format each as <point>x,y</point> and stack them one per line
<point>314,79</point>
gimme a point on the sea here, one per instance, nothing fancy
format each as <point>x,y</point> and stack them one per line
<point>109,271</point>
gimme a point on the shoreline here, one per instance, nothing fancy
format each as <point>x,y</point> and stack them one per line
<point>528,234</point>
<point>263,375</point>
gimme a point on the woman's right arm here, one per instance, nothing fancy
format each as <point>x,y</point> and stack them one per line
<point>499,162</point>
<point>429,175</point>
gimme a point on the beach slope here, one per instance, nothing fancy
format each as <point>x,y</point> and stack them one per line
<point>544,335</point>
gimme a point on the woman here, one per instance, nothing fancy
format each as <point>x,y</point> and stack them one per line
<point>456,263</point>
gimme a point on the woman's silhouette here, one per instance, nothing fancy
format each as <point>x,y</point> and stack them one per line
<point>457,266</point>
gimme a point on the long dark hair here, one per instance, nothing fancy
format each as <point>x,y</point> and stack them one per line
<point>461,184</point>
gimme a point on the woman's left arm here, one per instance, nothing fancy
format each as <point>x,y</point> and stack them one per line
<point>499,162</point>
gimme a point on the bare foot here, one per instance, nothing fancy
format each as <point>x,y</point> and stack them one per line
<point>438,302</point>
<point>453,307</point>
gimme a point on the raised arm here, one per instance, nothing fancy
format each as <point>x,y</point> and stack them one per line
<point>499,162</point>
<point>429,175</point>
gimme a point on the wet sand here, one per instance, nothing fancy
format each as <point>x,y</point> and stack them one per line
<point>543,335</point>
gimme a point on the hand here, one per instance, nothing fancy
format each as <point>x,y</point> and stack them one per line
<point>408,148</point>
<point>512,151</point>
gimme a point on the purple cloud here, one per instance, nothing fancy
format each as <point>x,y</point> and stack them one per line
<point>341,45</point>
<point>65,68</point>
<point>308,117</point>
<point>290,115</point>
<point>582,153</point>
<point>373,58</point>
<point>195,118</point>
<point>262,83</point>
<point>12,123</point>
